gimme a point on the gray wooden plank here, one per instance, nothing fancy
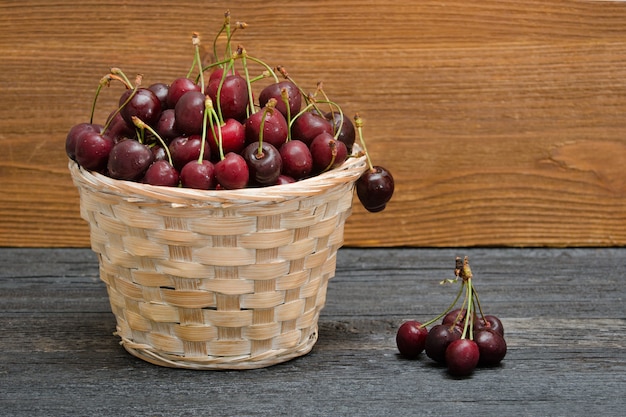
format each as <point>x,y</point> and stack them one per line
<point>562,308</point>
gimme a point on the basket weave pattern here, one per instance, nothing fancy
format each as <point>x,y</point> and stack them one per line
<point>217,279</point>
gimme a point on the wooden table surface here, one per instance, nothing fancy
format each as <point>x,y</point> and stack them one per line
<point>563,311</point>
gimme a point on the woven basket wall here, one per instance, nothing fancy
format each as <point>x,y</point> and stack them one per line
<point>217,279</point>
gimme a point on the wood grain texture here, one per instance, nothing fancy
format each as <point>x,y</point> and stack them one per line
<point>562,310</point>
<point>502,121</point>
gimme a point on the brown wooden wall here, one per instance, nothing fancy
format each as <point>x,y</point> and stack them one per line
<point>502,121</point>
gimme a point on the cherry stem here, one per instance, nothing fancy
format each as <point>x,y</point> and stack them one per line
<point>358,123</point>
<point>285,74</point>
<point>119,75</point>
<point>469,313</point>
<point>447,310</point>
<point>263,64</point>
<point>143,125</point>
<point>242,52</point>
<point>268,109</point>
<point>219,90</point>
<point>284,95</point>
<point>208,105</point>
<point>104,81</point>
<point>130,96</point>
<point>195,40</point>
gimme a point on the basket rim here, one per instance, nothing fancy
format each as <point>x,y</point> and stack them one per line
<point>348,172</point>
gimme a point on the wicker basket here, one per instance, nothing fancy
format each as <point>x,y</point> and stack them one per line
<point>217,279</point>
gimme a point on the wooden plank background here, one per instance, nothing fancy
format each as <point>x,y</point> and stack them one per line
<point>502,121</point>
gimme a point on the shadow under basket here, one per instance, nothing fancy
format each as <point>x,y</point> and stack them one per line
<point>227,279</point>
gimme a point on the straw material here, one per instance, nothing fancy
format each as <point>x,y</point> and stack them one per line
<point>217,279</point>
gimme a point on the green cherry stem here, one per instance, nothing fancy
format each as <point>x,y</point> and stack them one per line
<point>195,40</point>
<point>447,310</point>
<point>469,312</point>
<point>104,82</point>
<point>208,106</point>
<point>284,95</point>
<point>143,125</point>
<point>244,62</point>
<point>358,123</point>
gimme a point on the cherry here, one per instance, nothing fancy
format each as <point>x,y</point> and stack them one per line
<point>375,188</point>
<point>198,175</point>
<point>308,126</point>
<point>284,179</point>
<point>159,153</point>
<point>264,163</point>
<point>129,160</point>
<point>116,127</point>
<point>166,125</point>
<point>275,91</point>
<point>218,73</point>
<point>411,339</point>
<point>177,88</point>
<point>232,172</point>
<point>491,345</point>
<point>275,129</point>
<point>494,324</point>
<point>233,96</point>
<point>160,90</point>
<point>74,135</point>
<point>296,159</point>
<point>327,152</point>
<point>161,172</point>
<point>92,150</point>
<point>438,339</point>
<point>454,317</point>
<point>461,357</point>
<point>344,127</point>
<point>189,113</point>
<point>233,137</point>
<point>144,105</point>
<point>187,148</point>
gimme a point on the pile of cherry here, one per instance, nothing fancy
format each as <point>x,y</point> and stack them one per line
<point>464,339</point>
<point>211,134</point>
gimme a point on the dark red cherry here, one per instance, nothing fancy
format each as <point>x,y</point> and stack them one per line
<point>411,339</point>
<point>161,172</point>
<point>284,179</point>
<point>344,126</point>
<point>233,96</point>
<point>196,175</point>
<point>462,357</point>
<point>375,188</point>
<point>297,160</point>
<point>232,172</point>
<point>308,126</point>
<point>117,128</point>
<point>161,91</point>
<point>275,129</point>
<point>327,152</point>
<point>92,151</point>
<point>187,148</point>
<point>438,339</point>
<point>491,345</point>
<point>275,91</point>
<point>74,135</point>
<point>177,88</point>
<point>166,125</point>
<point>264,164</point>
<point>189,113</point>
<point>144,105</point>
<point>494,324</point>
<point>233,138</point>
<point>129,160</point>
